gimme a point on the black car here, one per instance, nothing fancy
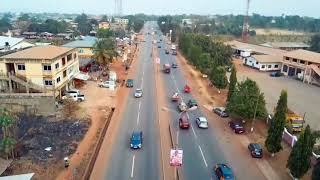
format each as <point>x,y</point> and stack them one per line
<point>255,150</point>
<point>159,46</point>
<point>192,103</point>
<point>167,51</point>
<point>174,65</point>
<point>221,111</point>
<point>237,127</point>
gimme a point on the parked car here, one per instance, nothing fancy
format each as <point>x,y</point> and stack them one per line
<point>276,74</point>
<point>255,150</point>
<point>174,65</point>
<point>129,83</point>
<point>106,84</point>
<point>136,140</point>
<point>78,98</point>
<point>221,111</point>
<point>138,93</point>
<point>174,52</point>
<point>237,127</point>
<point>223,172</point>
<point>159,46</point>
<point>167,51</point>
<point>202,122</point>
<point>192,103</point>
<point>182,107</point>
<point>72,92</point>
<point>184,122</point>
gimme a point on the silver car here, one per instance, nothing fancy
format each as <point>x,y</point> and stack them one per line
<point>202,122</point>
<point>138,93</point>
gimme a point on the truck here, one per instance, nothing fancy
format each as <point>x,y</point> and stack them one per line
<point>166,68</point>
<point>293,121</point>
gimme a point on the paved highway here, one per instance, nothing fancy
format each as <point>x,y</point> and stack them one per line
<point>140,114</point>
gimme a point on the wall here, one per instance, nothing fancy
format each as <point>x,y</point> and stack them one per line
<point>33,72</point>
<point>250,61</point>
<point>3,68</point>
<point>85,52</point>
<point>272,68</point>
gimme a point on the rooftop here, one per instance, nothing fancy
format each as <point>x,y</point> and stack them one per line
<point>255,48</point>
<point>268,58</point>
<point>86,42</point>
<point>11,40</point>
<point>304,55</point>
<point>38,52</point>
<point>285,45</point>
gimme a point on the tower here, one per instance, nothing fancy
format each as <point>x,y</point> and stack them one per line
<point>118,7</point>
<point>245,30</point>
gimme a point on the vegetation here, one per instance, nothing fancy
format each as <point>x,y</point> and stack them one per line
<point>273,141</point>
<point>299,159</point>
<point>247,101</point>
<point>135,23</point>
<point>84,25</point>
<point>316,171</point>
<point>105,51</point>
<point>49,25</point>
<point>315,43</point>
<point>218,78</point>
<point>7,123</point>
<point>105,33</point>
<point>233,83</point>
<point>167,23</point>
<point>70,108</point>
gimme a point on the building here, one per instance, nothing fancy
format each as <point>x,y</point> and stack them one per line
<point>302,64</point>
<point>121,21</point>
<point>13,44</point>
<point>288,46</point>
<point>187,22</point>
<point>84,46</point>
<point>104,25</point>
<point>264,62</point>
<point>39,69</point>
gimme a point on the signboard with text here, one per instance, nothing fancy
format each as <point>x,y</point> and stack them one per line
<point>176,157</point>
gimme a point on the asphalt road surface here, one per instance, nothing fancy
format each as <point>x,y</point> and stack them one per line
<point>140,115</point>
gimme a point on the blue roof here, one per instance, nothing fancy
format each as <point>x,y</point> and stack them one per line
<point>86,42</point>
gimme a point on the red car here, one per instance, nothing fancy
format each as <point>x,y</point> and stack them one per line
<point>184,122</point>
<point>186,89</point>
<point>237,127</point>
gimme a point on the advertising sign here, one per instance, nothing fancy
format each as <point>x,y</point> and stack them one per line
<point>176,157</point>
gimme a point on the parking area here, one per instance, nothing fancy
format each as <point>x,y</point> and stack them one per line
<point>302,98</point>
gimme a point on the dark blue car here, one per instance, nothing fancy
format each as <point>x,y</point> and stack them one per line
<point>223,172</point>
<point>136,140</point>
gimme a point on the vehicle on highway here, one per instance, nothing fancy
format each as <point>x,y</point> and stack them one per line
<point>159,46</point>
<point>223,172</point>
<point>167,51</point>
<point>276,74</point>
<point>136,140</point>
<point>174,52</point>
<point>184,122</point>
<point>187,89</point>
<point>192,103</point>
<point>182,106</point>
<point>202,122</point>
<point>255,150</point>
<point>221,111</point>
<point>106,84</point>
<point>174,65</point>
<point>129,83</point>
<point>175,97</point>
<point>138,93</point>
<point>237,126</point>
<point>166,68</point>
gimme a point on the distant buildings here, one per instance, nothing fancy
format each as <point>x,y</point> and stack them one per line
<point>13,44</point>
<point>121,21</point>
<point>288,46</point>
<point>104,25</point>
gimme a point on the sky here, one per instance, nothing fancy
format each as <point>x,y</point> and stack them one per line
<point>161,7</point>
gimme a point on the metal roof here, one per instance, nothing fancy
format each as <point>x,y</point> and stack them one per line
<point>11,40</point>
<point>86,42</point>
<point>18,177</point>
<point>285,45</point>
<point>304,55</point>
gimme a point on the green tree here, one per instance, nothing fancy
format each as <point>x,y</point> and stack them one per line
<point>218,77</point>
<point>104,18</point>
<point>24,17</point>
<point>105,33</point>
<point>273,141</point>
<point>105,51</point>
<point>316,171</point>
<point>248,101</point>
<point>5,25</point>
<point>84,25</point>
<point>315,43</point>
<point>233,82</point>
<point>299,159</point>
<point>194,53</point>
<point>7,142</point>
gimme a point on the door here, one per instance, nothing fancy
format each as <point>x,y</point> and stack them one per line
<point>291,71</point>
<point>10,68</point>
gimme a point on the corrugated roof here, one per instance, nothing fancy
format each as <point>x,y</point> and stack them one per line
<point>86,42</point>
<point>255,48</point>
<point>18,177</point>
<point>38,52</point>
<point>286,45</point>
<point>11,40</point>
<point>268,58</point>
<point>304,55</point>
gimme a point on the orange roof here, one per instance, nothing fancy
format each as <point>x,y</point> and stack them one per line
<point>304,55</point>
<point>39,52</point>
<point>268,58</point>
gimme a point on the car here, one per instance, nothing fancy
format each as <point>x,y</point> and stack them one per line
<point>167,51</point>
<point>72,92</point>
<point>237,127</point>
<point>106,84</point>
<point>223,172</point>
<point>138,93</point>
<point>276,74</point>
<point>174,52</point>
<point>202,122</point>
<point>129,83</point>
<point>184,122</point>
<point>255,150</point>
<point>221,111</point>
<point>159,46</point>
<point>192,103</point>
<point>182,106</point>
<point>136,140</point>
<point>174,65</point>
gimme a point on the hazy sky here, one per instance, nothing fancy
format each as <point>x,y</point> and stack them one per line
<point>265,7</point>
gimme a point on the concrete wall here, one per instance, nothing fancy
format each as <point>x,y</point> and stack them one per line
<point>41,105</point>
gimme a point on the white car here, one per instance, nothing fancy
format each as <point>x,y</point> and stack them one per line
<point>202,122</point>
<point>138,93</point>
<point>182,107</point>
<point>106,84</point>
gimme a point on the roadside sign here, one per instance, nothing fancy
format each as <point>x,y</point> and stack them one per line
<point>176,157</point>
<point>158,60</point>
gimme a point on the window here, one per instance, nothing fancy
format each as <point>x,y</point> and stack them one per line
<point>47,67</point>
<point>276,66</point>
<point>58,79</point>
<point>64,73</point>
<point>21,67</point>
<point>298,71</point>
<point>309,63</point>
<point>57,66</point>
<point>263,66</point>
<point>285,68</point>
<point>269,66</point>
<point>69,57</point>
<point>63,61</point>
<point>48,82</point>
<point>294,60</point>
<point>287,58</point>
<point>302,62</point>
<point>80,51</point>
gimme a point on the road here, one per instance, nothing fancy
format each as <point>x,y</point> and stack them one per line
<point>140,114</point>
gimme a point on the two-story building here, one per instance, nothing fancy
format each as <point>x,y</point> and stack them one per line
<point>104,25</point>
<point>40,68</point>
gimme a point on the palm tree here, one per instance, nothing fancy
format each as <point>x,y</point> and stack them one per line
<point>105,51</point>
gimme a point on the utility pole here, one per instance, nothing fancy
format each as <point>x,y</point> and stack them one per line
<point>245,28</point>
<point>255,112</point>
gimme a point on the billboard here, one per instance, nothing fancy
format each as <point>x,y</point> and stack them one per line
<point>176,157</point>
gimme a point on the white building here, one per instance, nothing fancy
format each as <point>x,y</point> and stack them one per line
<point>264,62</point>
<point>121,21</point>
<point>11,43</point>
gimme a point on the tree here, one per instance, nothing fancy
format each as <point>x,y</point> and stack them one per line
<point>24,17</point>
<point>315,43</point>
<point>7,142</point>
<point>218,77</point>
<point>105,33</point>
<point>299,159</point>
<point>233,82</point>
<point>273,141</point>
<point>5,25</point>
<point>84,25</point>
<point>104,51</point>
<point>104,18</point>
<point>316,171</point>
<point>248,101</point>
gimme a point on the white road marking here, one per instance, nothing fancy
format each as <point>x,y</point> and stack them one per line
<point>138,117</point>
<point>177,137</point>
<point>194,133</point>
<point>132,167</point>
<point>204,159</point>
